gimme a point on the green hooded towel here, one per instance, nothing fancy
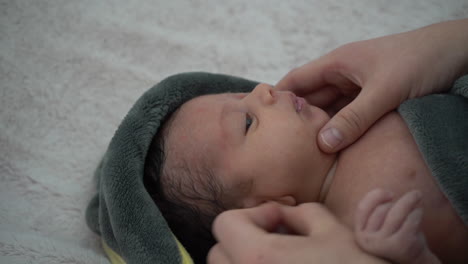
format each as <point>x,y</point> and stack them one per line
<point>122,213</point>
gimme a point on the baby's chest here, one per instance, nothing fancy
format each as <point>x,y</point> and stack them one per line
<point>385,157</point>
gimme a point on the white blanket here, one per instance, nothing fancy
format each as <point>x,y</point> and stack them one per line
<point>70,70</point>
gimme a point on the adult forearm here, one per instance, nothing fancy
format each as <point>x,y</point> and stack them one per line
<point>450,41</point>
<point>458,30</point>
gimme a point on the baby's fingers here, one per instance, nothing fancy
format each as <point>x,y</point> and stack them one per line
<point>412,222</point>
<point>377,218</point>
<point>400,211</point>
<point>368,205</point>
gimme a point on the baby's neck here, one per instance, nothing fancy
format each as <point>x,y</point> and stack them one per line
<point>327,182</point>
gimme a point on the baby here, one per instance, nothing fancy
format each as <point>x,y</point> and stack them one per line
<point>227,151</point>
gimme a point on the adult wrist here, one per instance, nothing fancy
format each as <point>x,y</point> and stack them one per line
<point>446,54</point>
<point>455,34</point>
<point>461,37</point>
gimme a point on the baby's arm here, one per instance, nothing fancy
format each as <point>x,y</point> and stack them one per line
<point>391,229</point>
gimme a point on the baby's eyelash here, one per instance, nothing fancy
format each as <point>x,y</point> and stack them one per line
<point>248,122</point>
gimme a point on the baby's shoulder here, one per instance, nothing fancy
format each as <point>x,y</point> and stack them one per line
<point>384,157</point>
<point>390,130</point>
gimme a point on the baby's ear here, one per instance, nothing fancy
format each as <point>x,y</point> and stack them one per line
<point>250,202</point>
<point>284,200</point>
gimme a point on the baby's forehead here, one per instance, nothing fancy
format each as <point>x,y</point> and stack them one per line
<point>203,106</point>
<point>195,110</point>
<point>192,135</point>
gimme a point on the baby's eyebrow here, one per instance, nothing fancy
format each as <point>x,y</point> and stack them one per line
<point>221,121</point>
<point>227,132</point>
<point>236,95</point>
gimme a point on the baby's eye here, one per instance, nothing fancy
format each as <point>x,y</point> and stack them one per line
<point>248,122</point>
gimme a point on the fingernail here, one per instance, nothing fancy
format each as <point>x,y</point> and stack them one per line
<point>332,137</point>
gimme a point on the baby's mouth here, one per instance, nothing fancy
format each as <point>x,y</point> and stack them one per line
<point>299,103</point>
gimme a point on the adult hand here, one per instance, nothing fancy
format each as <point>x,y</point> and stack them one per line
<point>382,73</point>
<point>245,236</point>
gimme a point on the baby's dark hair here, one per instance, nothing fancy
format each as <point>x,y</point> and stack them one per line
<point>189,200</point>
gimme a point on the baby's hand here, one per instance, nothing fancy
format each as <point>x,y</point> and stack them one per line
<point>391,229</point>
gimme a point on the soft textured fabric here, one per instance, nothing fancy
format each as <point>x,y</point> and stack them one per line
<point>439,125</point>
<point>122,212</point>
<point>71,70</point>
<point>133,228</point>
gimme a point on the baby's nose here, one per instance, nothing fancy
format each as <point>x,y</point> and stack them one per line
<point>265,93</point>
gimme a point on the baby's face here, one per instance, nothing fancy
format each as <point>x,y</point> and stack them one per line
<point>265,139</point>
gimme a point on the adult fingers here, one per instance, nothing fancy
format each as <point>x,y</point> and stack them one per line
<point>354,119</point>
<point>307,218</point>
<point>216,255</point>
<point>241,230</point>
<point>305,78</point>
<point>337,105</point>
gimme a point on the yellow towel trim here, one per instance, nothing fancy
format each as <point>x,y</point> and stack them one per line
<point>113,257</point>
<point>116,259</point>
<point>186,259</point>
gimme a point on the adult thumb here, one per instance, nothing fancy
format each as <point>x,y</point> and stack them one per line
<point>352,121</point>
